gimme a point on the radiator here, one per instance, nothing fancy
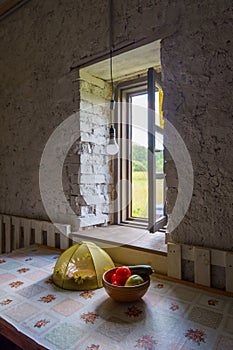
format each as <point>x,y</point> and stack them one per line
<point>18,232</point>
<point>203,259</point>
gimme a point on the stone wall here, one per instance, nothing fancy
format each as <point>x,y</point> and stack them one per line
<point>40,43</point>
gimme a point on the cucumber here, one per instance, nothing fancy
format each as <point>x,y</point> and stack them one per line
<point>141,270</point>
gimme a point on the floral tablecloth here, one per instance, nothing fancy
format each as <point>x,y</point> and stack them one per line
<point>170,316</point>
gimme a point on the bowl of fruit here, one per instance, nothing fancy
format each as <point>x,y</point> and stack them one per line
<point>127,283</point>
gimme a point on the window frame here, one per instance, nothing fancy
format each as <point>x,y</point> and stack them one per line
<point>123,164</point>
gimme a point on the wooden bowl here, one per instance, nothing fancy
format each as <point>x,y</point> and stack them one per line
<point>124,293</point>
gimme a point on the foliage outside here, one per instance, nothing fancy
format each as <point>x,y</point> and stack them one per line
<point>140,181</point>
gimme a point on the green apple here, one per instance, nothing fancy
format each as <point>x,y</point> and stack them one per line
<point>134,280</point>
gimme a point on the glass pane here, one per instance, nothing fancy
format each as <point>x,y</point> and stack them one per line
<point>157,108</point>
<point>159,142</point>
<point>139,119</point>
<point>159,198</point>
<point>139,157</point>
<point>159,158</point>
<point>140,194</point>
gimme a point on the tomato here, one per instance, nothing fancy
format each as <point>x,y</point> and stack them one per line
<point>122,274</point>
<point>114,283</point>
<point>113,278</point>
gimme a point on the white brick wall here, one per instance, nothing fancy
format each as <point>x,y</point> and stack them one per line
<point>88,168</point>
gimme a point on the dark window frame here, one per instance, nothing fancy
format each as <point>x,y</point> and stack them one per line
<point>123,165</point>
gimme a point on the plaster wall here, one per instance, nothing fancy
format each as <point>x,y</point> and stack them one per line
<point>198,102</point>
<point>40,42</point>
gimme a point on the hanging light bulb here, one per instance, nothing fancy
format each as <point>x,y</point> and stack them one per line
<point>112,146</point>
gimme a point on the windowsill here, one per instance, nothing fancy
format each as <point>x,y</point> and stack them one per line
<point>125,236</point>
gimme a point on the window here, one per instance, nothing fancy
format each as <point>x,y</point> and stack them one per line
<point>140,167</point>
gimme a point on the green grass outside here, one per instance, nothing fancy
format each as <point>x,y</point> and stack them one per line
<point>140,194</point>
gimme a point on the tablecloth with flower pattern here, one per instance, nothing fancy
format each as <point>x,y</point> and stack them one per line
<point>170,315</point>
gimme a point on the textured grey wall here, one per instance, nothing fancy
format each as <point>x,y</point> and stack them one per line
<point>41,41</point>
<point>197,73</point>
